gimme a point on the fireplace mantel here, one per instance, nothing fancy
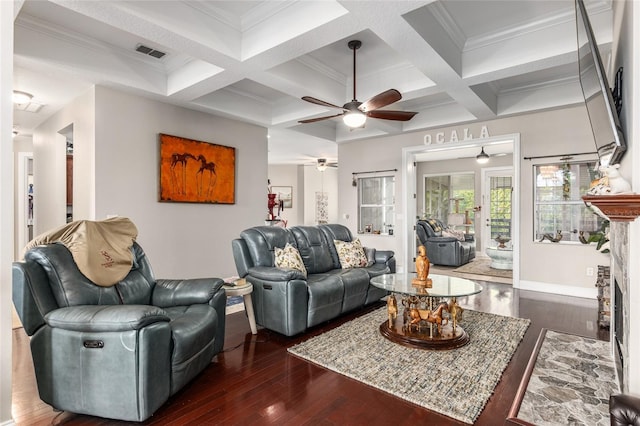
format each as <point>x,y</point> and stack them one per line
<point>619,207</point>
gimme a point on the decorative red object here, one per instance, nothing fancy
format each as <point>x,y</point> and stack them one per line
<point>271,203</point>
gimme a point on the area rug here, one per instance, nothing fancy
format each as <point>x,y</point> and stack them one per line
<point>456,383</point>
<point>481,266</point>
<point>571,382</point>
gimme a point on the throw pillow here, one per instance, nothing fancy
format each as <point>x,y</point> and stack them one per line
<point>289,258</point>
<point>371,255</point>
<point>434,225</point>
<point>351,254</point>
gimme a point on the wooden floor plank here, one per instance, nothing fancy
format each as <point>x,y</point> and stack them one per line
<point>256,381</point>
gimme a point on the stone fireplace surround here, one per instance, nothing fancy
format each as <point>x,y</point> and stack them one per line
<point>622,209</point>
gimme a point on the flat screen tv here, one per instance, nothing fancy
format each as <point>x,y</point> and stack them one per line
<point>605,125</point>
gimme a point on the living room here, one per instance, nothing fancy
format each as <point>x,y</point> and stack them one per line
<point>116,161</point>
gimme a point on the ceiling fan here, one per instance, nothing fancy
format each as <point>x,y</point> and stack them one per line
<point>322,164</point>
<point>355,113</point>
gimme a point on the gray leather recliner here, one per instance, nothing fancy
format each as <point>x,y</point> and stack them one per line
<point>441,250</point>
<point>117,352</point>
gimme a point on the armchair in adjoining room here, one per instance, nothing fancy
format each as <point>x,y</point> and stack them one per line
<point>117,351</point>
<point>445,250</point>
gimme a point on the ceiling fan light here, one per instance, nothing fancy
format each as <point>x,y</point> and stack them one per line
<point>482,158</point>
<point>21,97</point>
<point>321,167</point>
<point>354,119</point>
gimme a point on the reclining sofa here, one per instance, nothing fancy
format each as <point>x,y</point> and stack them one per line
<point>117,352</point>
<point>284,299</point>
<point>443,250</point>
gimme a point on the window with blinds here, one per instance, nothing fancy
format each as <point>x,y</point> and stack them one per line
<point>376,205</point>
<point>559,209</point>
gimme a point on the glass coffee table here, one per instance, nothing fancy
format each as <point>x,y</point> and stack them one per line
<point>430,316</point>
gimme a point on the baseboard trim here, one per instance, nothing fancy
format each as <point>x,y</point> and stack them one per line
<point>564,290</point>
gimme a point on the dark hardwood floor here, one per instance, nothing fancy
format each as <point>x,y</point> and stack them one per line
<point>255,381</point>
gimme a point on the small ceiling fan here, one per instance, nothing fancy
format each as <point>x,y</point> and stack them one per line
<point>355,113</point>
<point>322,164</point>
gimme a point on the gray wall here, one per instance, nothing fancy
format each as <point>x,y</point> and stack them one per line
<point>116,162</point>
<point>545,267</point>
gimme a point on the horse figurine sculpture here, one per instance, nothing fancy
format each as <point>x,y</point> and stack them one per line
<point>392,309</point>
<point>435,317</point>
<point>455,312</point>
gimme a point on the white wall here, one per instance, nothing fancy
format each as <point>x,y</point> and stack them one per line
<point>287,175</point>
<point>6,201</point>
<point>316,181</point>
<point>50,165</point>
<point>544,267</point>
<point>182,240</point>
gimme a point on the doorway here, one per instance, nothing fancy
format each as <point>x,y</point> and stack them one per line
<point>497,211</point>
<point>411,156</point>
<point>25,195</point>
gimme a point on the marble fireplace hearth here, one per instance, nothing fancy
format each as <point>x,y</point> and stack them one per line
<point>622,210</point>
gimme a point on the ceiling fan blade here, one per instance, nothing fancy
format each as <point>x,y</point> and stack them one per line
<point>392,115</point>
<point>313,120</point>
<point>381,100</point>
<point>319,102</point>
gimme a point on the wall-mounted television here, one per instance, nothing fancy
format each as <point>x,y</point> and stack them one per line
<point>605,125</point>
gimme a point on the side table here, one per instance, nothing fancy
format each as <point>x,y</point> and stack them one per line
<point>245,291</point>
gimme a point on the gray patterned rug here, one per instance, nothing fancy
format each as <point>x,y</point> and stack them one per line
<point>571,382</point>
<point>456,383</point>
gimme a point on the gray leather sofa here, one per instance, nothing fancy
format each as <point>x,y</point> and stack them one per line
<point>441,250</point>
<point>117,352</point>
<point>287,302</point>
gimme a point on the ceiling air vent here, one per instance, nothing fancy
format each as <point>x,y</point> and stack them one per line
<point>149,51</point>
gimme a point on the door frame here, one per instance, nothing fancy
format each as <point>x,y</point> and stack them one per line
<point>22,204</point>
<point>409,197</point>
<point>485,173</point>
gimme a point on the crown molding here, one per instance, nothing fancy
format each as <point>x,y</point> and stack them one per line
<point>450,26</point>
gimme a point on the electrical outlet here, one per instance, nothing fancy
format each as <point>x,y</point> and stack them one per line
<point>589,271</point>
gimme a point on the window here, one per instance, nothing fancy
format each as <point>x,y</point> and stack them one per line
<point>449,194</point>
<point>559,209</point>
<point>376,209</point>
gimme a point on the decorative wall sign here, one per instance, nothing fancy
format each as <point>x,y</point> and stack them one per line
<point>196,172</point>
<point>322,207</point>
<point>284,194</point>
<point>454,137</point>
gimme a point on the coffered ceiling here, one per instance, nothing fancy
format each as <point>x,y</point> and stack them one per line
<point>454,61</point>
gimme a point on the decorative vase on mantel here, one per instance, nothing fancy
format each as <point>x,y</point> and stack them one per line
<point>271,203</point>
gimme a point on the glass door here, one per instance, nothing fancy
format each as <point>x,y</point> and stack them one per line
<point>496,206</point>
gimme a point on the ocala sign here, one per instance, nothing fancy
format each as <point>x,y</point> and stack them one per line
<point>453,136</point>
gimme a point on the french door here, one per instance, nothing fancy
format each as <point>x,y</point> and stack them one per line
<point>497,196</point>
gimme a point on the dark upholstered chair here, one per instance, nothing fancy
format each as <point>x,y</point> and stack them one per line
<point>441,250</point>
<point>117,352</point>
<point>624,410</point>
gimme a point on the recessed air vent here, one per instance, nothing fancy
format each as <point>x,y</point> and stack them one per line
<point>149,51</point>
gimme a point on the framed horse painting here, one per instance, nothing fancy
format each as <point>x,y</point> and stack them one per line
<point>196,172</point>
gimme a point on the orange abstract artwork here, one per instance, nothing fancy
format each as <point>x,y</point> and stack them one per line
<point>196,172</point>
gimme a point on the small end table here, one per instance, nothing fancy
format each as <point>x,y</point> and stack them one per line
<point>245,291</point>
